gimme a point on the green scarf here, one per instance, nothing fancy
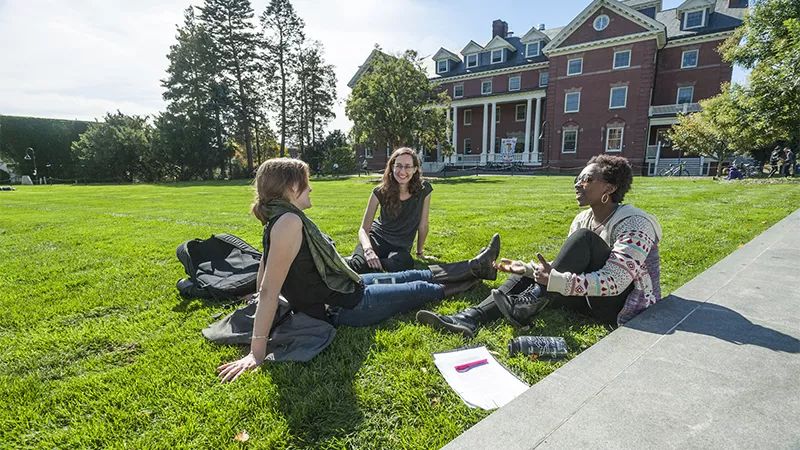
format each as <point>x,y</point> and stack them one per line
<point>335,272</point>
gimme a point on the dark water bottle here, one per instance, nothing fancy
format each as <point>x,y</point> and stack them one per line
<point>539,346</point>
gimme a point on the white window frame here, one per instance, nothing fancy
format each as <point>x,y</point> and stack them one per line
<point>461,85</point>
<point>564,140</point>
<point>696,58</point>
<point>566,102</point>
<point>519,83</point>
<point>446,66</point>
<point>524,108</point>
<point>491,56</point>
<point>569,62</point>
<point>702,19</point>
<point>467,141</point>
<point>678,97</point>
<point>614,62</point>
<point>546,74</point>
<point>367,152</point>
<point>467,122</point>
<point>467,58</point>
<point>598,19</point>
<point>621,137</point>
<point>496,114</point>
<point>483,84</point>
<point>529,46</point>
<point>611,97</point>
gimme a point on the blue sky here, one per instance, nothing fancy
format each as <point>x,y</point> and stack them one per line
<point>79,59</point>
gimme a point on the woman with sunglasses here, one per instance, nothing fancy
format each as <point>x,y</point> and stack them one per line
<point>384,244</point>
<point>607,269</point>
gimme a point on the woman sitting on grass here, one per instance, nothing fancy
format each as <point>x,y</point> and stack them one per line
<point>608,268</point>
<point>302,264</point>
<point>404,197</point>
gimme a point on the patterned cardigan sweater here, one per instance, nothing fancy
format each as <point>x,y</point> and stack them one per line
<point>633,236</point>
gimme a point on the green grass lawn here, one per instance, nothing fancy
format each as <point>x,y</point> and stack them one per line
<point>97,349</point>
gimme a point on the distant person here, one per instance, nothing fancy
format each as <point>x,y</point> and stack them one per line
<point>608,268</point>
<point>365,167</point>
<point>301,263</point>
<point>790,161</point>
<point>775,161</point>
<point>384,244</point>
<point>734,173</point>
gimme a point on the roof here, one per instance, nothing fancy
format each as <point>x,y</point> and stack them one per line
<point>364,67</point>
<point>723,19</point>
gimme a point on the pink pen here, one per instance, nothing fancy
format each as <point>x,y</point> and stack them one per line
<point>461,368</point>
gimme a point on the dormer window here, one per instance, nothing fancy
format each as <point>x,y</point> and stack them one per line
<point>694,19</point>
<point>442,66</point>
<point>472,60</point>
<point>532,49</point>
<point>497,56</point>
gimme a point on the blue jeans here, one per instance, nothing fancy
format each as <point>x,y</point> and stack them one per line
<point>388,294</point>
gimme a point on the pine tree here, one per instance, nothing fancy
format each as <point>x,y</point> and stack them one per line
<point>235,46</point>
<point>192,130</point>
<point>282,32</point>
<point>316,94</point>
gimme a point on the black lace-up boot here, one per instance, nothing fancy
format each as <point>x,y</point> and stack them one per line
<point>465,322</point>
<point>479,267</point>
<point>520,308</point>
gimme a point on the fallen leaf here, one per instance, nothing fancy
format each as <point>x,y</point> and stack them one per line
<point>424,370</point>
<point>242,436</point>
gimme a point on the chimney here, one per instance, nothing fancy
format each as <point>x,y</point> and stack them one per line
<point>541,27</point>
<point>499,28</point>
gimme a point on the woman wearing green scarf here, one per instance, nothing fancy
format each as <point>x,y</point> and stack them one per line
<point>301,263</point>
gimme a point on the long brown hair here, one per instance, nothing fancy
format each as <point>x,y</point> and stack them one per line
<point>390,188</point>
<point>275,178</point>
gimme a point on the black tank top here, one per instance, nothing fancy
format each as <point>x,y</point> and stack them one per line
<point>305,289</point>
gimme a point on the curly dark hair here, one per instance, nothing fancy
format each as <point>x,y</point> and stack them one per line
<point>617,171</point>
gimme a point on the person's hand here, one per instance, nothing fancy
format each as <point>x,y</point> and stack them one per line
<point>232,370</point>
<point>372,259</point>
<point>541,271</point>
<point>507,265</point>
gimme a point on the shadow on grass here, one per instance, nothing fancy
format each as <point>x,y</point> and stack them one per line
<point>318,399</point>
<point>679,314</point>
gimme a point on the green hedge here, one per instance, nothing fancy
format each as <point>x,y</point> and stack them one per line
<point>50,139</point>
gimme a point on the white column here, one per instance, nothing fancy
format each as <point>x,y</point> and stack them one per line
<point>453,157</point>
<point>536,129</point>
<point>485,134</point>
<point>494,129</point>
<point>526,150</point>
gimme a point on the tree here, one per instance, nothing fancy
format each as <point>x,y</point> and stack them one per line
<point>316,95</point>
<point>193,132</point>
<point>721,128</point>
<point>282,31</point>
<point>769,44</point>
<point>394,104</point>
<point>112,150</point>
<point>234,44</point>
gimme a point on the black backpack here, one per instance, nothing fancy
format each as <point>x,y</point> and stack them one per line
<point>220,267</point>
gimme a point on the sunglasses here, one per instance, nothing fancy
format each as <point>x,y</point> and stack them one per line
<point>583,180</point>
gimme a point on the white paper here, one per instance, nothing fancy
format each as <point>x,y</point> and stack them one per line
<point>488,386</point>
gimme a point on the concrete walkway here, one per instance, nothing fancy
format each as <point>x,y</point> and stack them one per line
<point>714,365</point>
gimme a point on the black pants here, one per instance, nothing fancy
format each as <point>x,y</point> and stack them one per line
<point>393,258</point>
<point>583,252</point>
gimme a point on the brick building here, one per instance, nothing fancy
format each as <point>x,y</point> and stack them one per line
<point>612,80</point>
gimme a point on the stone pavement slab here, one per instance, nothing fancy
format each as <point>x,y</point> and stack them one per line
<point>714,365</point>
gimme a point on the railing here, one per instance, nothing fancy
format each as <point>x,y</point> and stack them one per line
<point>671,110</point>
<point>430,167</point>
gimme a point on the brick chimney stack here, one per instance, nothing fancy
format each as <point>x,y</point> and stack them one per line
<point>499,28</point>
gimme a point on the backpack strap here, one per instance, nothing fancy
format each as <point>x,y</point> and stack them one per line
<point>237,242</point>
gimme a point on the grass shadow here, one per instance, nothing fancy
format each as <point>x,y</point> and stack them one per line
<point>318,399</point>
